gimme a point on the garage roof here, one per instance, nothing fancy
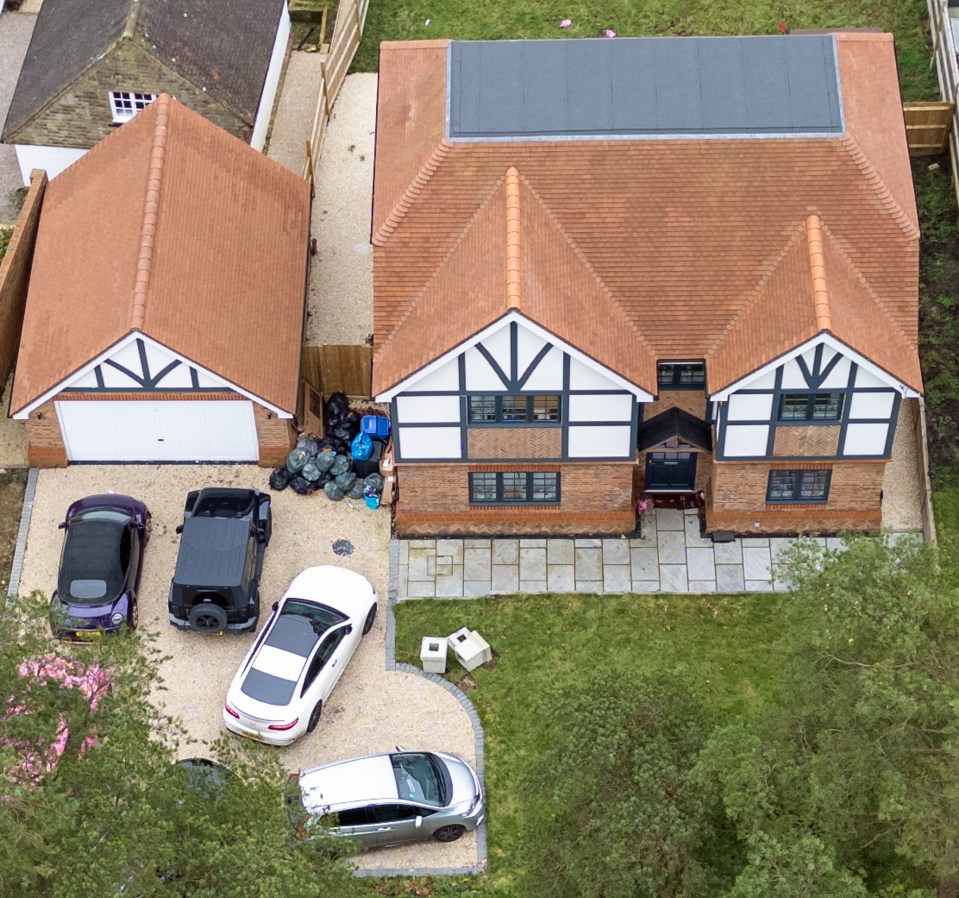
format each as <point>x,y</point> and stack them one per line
<point>173,228</point>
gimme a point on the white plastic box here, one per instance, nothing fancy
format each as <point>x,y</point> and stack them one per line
<point>470,649</point>
<point>433,654</point>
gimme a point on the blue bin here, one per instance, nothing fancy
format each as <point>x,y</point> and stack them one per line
<point>375,426</point>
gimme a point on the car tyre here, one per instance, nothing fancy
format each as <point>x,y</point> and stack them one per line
<point>208,618</point>
<point>314,717</point>
<point>449,833</point>
<point>370,617</point>
<point>134,615</point>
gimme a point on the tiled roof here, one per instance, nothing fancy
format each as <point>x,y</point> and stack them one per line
<point>178,230</point>
<point>222,46</point>
<point>701,246</point>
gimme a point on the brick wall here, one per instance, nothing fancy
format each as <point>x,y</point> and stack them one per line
<point>434,500</point>
<point>736,499</point>
<point>274,435</point>
<point>691,401</point>
<point>15,273</point>
<point>805,440</point>
<point>45,447</point>
<point>514,442</point>
<point>82,117</point>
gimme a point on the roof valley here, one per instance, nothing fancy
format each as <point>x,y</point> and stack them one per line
<point>150,210</point>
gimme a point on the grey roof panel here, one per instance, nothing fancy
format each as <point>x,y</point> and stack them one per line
<point>711,86</point>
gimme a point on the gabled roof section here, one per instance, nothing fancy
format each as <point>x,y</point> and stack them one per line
<point>813,288</point>
<point>674,422</point>
<point>690,239</point>
<point>221,46</point>
<point>513,257</point>
<point>173,228</point>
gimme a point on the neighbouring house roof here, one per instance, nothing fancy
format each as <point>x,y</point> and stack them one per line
<point>221,46</point>
<point>175,229</point>
<point>638,243</point>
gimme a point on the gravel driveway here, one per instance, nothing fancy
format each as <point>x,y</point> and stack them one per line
<point>371,710</point>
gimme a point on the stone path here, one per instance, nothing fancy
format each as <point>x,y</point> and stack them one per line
<point>670,557</point>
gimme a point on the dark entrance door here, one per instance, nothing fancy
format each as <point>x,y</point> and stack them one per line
<point>670,472</point>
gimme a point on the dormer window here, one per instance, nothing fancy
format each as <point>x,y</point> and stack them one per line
<point>682,375</point>
<point>125,104</point>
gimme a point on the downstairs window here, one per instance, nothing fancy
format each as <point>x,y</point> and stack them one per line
<point>514,488</point>
<point>798,486</point>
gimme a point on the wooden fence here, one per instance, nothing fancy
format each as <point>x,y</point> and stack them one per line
<point>347,32</point>
<point>343,369</point>
<point>927,126</point>
<point>947,71</point>
<point>922,459</point>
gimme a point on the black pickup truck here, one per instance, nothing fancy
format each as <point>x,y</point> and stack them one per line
<point>216,584</point>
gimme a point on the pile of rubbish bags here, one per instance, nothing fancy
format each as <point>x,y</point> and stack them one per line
<point>325,463</point>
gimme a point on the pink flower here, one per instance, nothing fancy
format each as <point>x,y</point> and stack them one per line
<point>610,32</point>
<point>565,23</point>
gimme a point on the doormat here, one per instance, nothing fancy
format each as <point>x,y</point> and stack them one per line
<point>675,500</point>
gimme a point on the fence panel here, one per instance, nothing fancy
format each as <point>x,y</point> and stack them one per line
<point>339,368</point>
<point>928,126</point>
<point>947,71</point>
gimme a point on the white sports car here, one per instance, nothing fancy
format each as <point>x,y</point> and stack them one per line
<point>278,692</point>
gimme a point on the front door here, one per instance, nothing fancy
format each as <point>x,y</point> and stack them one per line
<point>670,472</point>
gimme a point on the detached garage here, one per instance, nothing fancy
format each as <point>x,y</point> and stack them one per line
<point>166,306</point>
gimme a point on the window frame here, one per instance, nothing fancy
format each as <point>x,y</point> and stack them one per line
<point>125,104</point>
<point>798,475</point>
<point>517,403</point>
<point>529,492</point>
<point>675,382</point>
<point>810,399</point>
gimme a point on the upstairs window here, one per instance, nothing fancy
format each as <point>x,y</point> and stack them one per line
<point>682,376</point>
<point>798,486</point>
<point>514,488</point>
<point>810,406</point>
<point>538,408</point>
<point>125,104</point>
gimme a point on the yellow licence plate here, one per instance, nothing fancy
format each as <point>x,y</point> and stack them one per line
<point>88,634</point>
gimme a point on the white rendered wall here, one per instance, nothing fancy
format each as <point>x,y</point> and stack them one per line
<point>749,407</point>
<point>865,439</point>
<point>264,110</point>
<point>429,442</point>
<point>427,409</point>
<point>745,440</point>
<point>601,408</point>
<point>599,442</point>
<point>53,159</point>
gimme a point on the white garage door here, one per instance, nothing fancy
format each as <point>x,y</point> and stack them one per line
<point>158,431</point>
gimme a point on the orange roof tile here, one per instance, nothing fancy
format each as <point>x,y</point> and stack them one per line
<point>700,247</point>
<point>173,228</point>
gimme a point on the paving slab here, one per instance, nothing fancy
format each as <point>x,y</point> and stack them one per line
<point>560,577</point>
<point>702,586</point>
<point>616,578</point>
<point>756,563</point>
<point>505,551</point>
<point>476,588</point>
<point>476,563</point>
<point>615,551</point>
<point>701,564</point>
<point>670,519</point>
<point>589,564</point>
<point>532,563</point>
<point>672,547</point>
<point>645,586</point>
<point>561,551</point>
<point>453,548</point>
<point>533,587</point>
<point>505,578</point>
<point>645,563</point>
<point>728,553</point>
<point>730,578</point>
<point>672,578</point>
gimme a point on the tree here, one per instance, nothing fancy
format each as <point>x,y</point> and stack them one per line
<point>859,759</point>
<point>107,811</point>
<point>613,810</point>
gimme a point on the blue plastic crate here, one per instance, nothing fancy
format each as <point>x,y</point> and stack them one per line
<point>376,426</point>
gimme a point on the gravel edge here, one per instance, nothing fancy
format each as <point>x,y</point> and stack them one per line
<point>20,549</point>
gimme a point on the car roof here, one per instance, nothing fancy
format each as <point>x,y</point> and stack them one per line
<point>212,552</point>
<point>92,552</point>
<point>349,782</point>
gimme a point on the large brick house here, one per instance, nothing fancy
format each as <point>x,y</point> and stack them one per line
<point>91,66</point>
<point>604,268</point>
<point>167,301</point>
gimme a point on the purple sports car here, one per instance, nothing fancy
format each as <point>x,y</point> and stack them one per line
<point>100,566</point>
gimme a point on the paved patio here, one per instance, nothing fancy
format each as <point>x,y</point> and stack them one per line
<point>670,557</point>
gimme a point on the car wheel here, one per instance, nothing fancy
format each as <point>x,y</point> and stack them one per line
<point>134,615</point>
<point>208,617</point>
<point>315,717</point>
<point>448,833</point>
<point>368,623</point>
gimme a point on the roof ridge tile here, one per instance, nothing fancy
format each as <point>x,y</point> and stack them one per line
<point>513,239</point>
<point>817,270</point>
<point>150,213</point>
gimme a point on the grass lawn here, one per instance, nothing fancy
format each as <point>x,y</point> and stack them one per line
<point>502,19</point>
<point>719,645</point>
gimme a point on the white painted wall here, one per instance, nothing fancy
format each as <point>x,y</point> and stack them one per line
<point>793,378</point>
<point>582,377</point>
<point>427,409</point>
<point>428,442</point>
<point>480,377</point>
<point>548,375</point>
<point>745,440</point>
<point>53,159</point>
<point>600,408</point>
<point>871,405</point>
<point>262,123</point>
<point>750,407</point>
<point>838,378</point>
<point>599,442</point>
<point>865,439</point>
<point>446,377</point>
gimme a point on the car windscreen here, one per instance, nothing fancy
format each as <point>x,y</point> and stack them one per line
<point>419,778</point>
<point>321,617</point>
<point>224,504</point>
<point>93,566</point>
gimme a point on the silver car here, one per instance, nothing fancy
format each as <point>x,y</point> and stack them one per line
<point>382,800</point>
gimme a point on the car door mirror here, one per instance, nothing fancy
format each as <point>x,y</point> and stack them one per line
<point>62,525</point>
<point>179,528</point>
<point>419,822</point>
<point>348,628</point>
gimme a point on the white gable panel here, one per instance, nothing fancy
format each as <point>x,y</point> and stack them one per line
<point>601,408</point>
<point>128,356</point>
<point>865,439</point>
<point>480,377</point>
<point>446,377</point>
<point>750,407</point>
<point>765,382</point>
<point>600,442</point>
<point>548,373</point>
<point>582,377</point>
<point>871,405</point>
<point>866,378</point>
<point>793,377</point>
<point>158,357</point>
<point>427,409</point>
<point>115,379</point>
<point>177,378</point>
<point>527,345</point>
<point>497,344</point>
<point>86,380</point>
<point>207,381</point>
<point>745,440</point>
<point>428,442</point>
<point>839,376</point>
